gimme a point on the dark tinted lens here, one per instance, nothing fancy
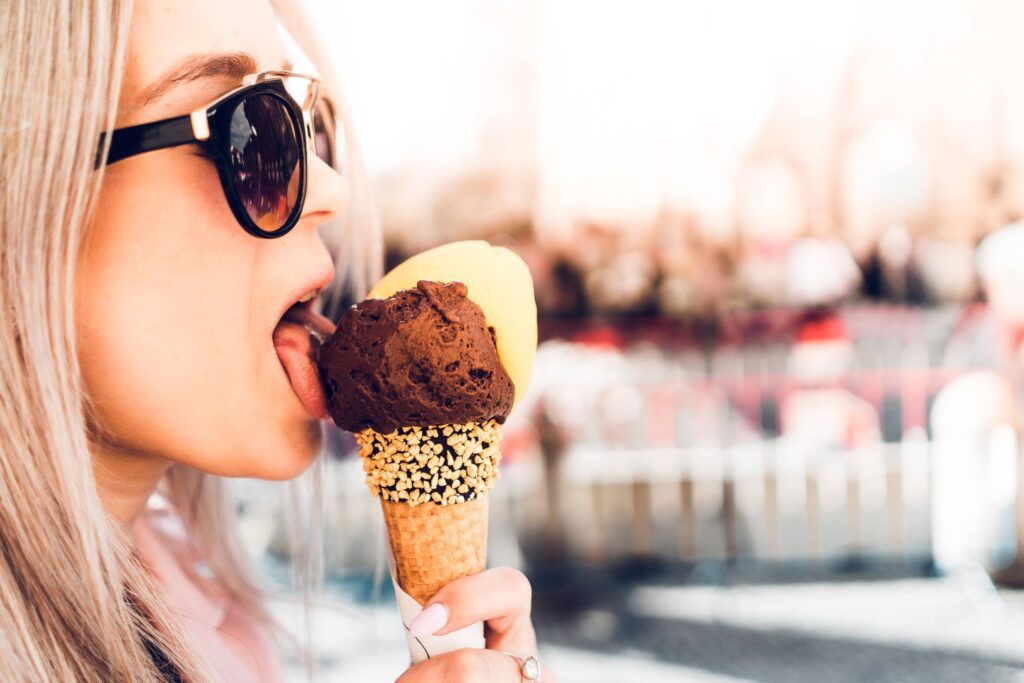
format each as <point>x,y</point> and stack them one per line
<point>324,133</point>
<point>265,153</point>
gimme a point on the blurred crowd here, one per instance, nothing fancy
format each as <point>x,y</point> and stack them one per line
<point>778,254</point>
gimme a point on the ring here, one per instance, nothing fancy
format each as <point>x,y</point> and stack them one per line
<point>529,667</point>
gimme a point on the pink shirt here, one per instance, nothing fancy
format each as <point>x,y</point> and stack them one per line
<point>239,647</point>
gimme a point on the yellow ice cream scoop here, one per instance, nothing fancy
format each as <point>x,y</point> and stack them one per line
<point>498,281</point>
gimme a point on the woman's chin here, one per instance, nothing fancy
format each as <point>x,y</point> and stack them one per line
<point>284,457</point>
<point>298,455</point>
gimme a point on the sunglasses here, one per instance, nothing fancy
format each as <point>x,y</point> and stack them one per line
<point>259,135</point>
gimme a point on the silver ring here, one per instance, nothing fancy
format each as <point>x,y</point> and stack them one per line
<point>529,667</point>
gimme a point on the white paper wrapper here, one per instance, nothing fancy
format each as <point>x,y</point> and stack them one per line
<point>426,647</point>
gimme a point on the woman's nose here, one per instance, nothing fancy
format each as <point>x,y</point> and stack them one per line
<point>327,193</point>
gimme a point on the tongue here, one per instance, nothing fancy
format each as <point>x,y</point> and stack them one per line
<point>296,340</point>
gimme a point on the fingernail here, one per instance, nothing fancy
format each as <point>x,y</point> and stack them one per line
<point>429,621</point>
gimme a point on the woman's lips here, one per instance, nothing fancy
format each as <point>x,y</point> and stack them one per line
<point>296,339</point>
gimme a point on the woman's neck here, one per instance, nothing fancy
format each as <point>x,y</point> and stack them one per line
<point>126,479</point>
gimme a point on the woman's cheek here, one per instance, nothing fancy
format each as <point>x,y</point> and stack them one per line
<point>199,395</point>
<point>165,410</point>
<point>137,355</point>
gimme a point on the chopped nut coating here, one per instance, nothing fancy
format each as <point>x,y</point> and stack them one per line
<point>447,464</point>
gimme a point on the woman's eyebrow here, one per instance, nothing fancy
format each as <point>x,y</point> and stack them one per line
<point>197,66</point>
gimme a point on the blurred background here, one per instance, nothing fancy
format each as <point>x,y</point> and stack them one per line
<point>774,430</point>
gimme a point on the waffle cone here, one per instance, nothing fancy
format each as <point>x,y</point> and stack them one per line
<point>436,544</point>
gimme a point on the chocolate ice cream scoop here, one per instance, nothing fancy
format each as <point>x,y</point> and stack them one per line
<point>422,357</point>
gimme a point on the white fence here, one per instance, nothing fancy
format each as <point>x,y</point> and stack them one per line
<point>774,501</point>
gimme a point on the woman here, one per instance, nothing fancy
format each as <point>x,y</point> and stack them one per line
<point>144,273</point>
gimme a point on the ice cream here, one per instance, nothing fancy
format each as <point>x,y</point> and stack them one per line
<point>425,371</point>
<point>422,357</point>
<point>498,281</point>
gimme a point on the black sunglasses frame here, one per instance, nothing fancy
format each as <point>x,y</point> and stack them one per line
<point>209,126</point>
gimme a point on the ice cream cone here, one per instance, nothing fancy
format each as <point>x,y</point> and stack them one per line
<point>433,485</point>
<point>436,544</point>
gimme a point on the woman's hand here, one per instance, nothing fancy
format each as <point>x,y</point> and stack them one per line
<point>500,597</point>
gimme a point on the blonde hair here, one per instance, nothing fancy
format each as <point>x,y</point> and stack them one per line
<point>77,603</point>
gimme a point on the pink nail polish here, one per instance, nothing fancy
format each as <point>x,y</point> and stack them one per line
<point>429,621</point>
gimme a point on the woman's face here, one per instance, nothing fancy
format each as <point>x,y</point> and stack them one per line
<point>176,303</point>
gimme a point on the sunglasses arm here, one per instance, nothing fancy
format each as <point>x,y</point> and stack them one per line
<point>146,137</point>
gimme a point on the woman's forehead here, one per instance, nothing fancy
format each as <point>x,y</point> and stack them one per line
<point>182,53</point>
